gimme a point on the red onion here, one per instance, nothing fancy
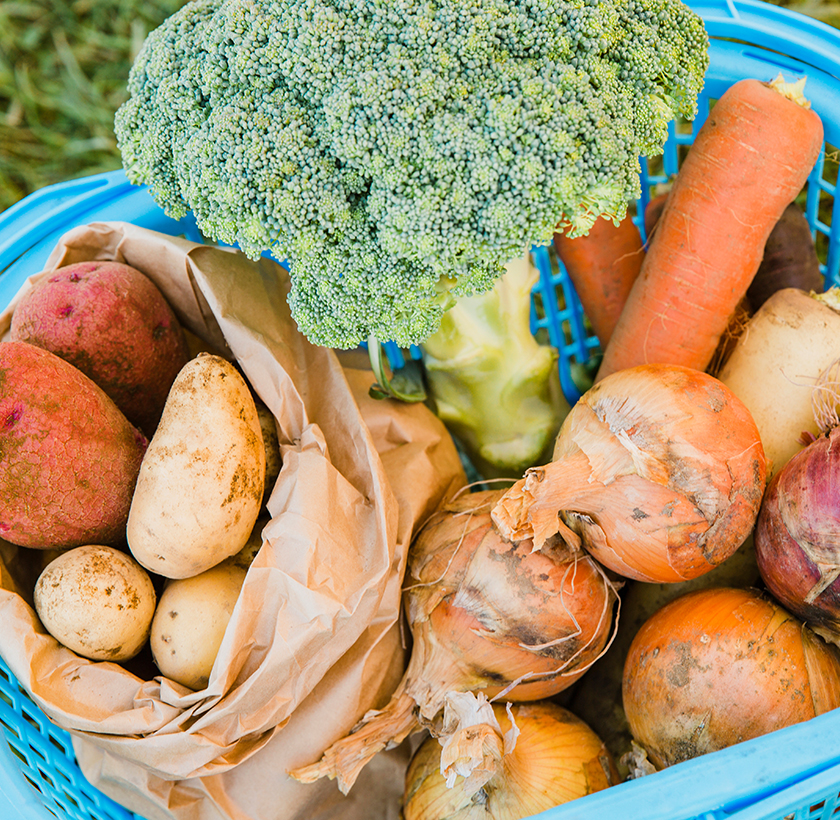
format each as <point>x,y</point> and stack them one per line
<point>796,536</point>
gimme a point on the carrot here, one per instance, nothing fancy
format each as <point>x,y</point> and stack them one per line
<point>743,310</point>
<point>602,266</point>
<point>751,157</point>
<point>790,256</point>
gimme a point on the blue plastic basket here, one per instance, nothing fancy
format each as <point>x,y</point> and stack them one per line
<point>792,774</point>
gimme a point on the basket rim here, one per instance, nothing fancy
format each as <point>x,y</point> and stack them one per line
<point>785,31</point>
<point>741,773</point>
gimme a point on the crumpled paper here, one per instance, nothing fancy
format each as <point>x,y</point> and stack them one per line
<point>315,638</point>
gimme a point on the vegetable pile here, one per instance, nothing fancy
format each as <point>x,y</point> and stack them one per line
<point>725,622</point>
<point>632,594</point>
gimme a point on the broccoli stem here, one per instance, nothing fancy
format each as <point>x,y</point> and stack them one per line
<point>384,387</point>
<point>493,385</point>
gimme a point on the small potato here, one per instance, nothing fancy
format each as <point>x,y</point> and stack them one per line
<point>97,601</point>
<point>271,441</point>
<point>245,557</point>
<point>190,622</point>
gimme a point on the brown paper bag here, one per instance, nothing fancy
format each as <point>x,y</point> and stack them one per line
<point>314,640</point>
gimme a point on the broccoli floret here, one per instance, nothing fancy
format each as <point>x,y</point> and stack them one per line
<point>400,153</point>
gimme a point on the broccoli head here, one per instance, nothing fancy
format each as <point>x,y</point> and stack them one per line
<point>399,153</point>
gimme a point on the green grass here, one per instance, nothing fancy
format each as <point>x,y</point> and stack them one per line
<point>63,71</point>
<point>828,12</point>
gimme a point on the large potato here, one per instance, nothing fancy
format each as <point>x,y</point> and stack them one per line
<point>68,457</point>
<point>190,622</point>
<point>97,601</point>
<point>200,486</point>
<point>111,321</point>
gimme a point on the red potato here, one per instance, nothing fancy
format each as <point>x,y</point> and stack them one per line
<point>748,162</point>
<point>69,459</point>
<point>111,322</point>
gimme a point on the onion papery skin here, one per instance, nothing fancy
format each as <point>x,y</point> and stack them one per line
<point>720,666</point>
<point>797,535</point>
<point>484,612</point>
<point>557,758</point>
<point>658,472</point>
<point>496,598</point>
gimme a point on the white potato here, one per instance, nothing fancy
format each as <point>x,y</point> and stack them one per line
<point>200,486</point>
<point>190,622</point>
<point>97,601</point>
<point>245,557</point>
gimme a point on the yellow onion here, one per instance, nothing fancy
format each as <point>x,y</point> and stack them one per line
<point>719,666</point>
<point>597,698</point>
<point>658,472</point>
<point>486,615</point>
<point>531,757</point>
